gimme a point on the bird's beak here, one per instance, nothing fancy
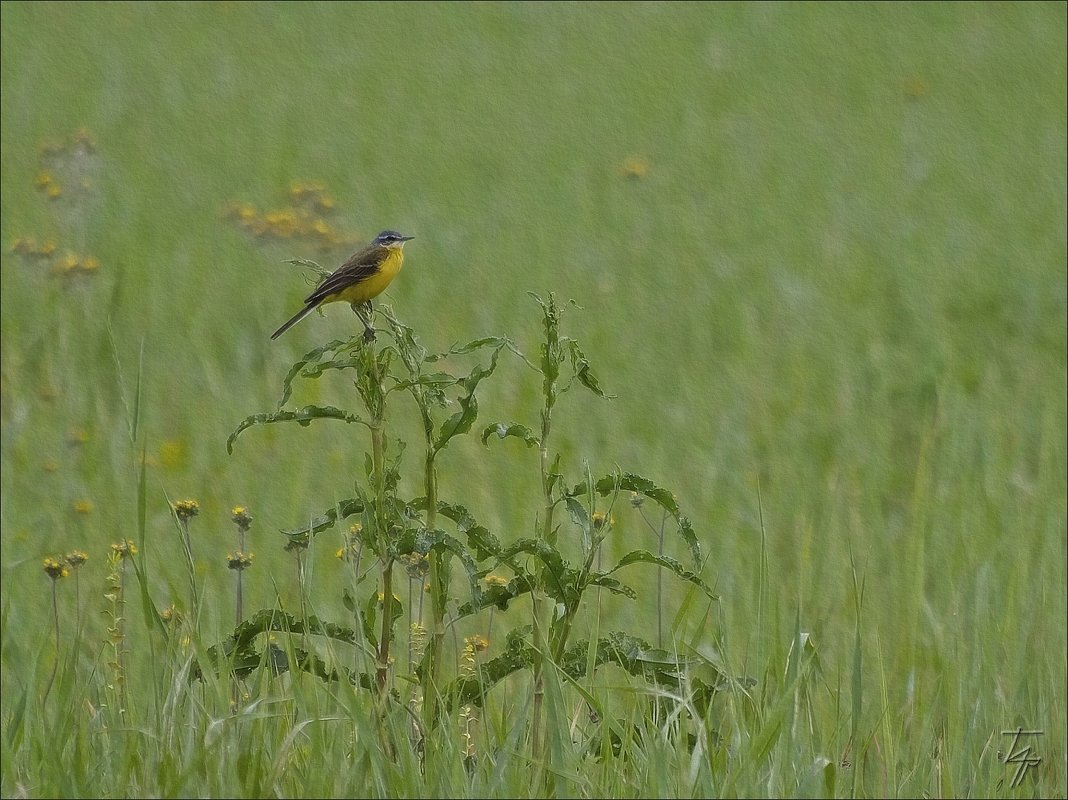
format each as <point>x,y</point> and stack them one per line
<point>407,238</point>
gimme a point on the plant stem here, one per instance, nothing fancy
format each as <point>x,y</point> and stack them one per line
<point>437,596</point>
<point>538,602</point>
<point>55,618</point>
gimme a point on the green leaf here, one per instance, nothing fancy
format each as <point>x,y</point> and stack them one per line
<point>638,556</point>
<point>303,416</point>
<point>577,512</point>
<point>348,601</point>
<point>316,370</point>
<point>458,423</point>
<point>496,342</point>
<point>461,421</point>
<point>307,358</point>
<point>420,540</point>
<point>370,615</point>
<point>628,481</point>
<point>612,585</point>
<point>238,650</point>
<point>554,476</point>
<point>506,429</point>
<point>582,369</point>
<point>472,690</point>
<point>344,509</point>
<point>148,608</point>
<point>434,380</point>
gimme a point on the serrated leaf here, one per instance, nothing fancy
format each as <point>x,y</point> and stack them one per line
<point>303,417</point>
<point>577,512</point>
<point>477,344</point>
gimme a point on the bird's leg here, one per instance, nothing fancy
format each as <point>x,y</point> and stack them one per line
<point>357,309</point>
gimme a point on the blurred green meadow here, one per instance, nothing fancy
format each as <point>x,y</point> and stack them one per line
<point>820,254</point>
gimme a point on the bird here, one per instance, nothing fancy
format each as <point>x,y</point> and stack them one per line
<point>364,276</point>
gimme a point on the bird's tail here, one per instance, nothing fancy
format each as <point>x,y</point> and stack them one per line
<point>294,320</point>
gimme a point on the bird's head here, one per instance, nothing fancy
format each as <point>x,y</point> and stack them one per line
<point>391,239</point>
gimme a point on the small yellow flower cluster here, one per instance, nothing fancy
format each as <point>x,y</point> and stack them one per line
<point>75,558</point>
<point>124,549</point>
<point>55,569</point>
<point>302,219</point>
<point>311,195</point>
<point>600,520</point>
<point>634,167</point>
<point>353,544</point>
<point>478,643</point>
<point>495,580</point>
<point>71,158</point>
<point>27,246</point>
<point>46,182</point>
<point>473,645</point>
<point>241,517</point>
<point>238,560</point>
<point>417,636</point>
<point>68,264</point>
<point>64,172</point>
<point>186,509</point>
<point>73,264</point>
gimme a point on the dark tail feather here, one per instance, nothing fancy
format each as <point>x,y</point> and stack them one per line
<point>294,320</point>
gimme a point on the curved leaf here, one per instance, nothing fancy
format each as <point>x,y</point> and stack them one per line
<point>612,585</point>
<point>581,368</point>
<point>303,416</point>
<point>506,429</point>
<point>637,556</point>
<point>344,509</point>
<point>461,421</point>
<point>628,481</point>
<point>299,364</point>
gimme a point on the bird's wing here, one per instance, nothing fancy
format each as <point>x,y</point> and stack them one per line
<point>357,269</point>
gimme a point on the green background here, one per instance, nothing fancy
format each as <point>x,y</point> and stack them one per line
<point>831,296</point>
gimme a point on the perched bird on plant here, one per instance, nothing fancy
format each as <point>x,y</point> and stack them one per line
<point>364,276</point>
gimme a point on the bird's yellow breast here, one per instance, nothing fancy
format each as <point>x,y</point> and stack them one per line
<point>373,285</point>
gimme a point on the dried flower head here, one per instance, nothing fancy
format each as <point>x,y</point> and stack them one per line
<point>124,549</point>
<point>241,517</point>
<point>238,560</point>
<point>55,569</point>
<point>186,509</point>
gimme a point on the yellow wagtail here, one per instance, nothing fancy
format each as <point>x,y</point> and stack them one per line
<point>365,275</point>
